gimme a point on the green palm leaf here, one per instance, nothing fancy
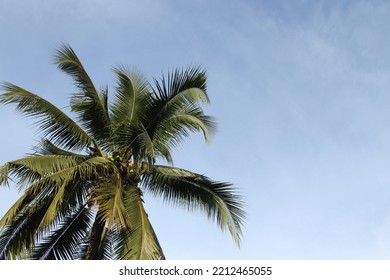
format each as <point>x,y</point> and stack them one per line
<point>131,96</point>
<point>62,175</point>
<point>189,83</point>
<point>45,147</point>
<point>68,239</point>
<point>4,174</point>
<point>47,164</point>
<point>174,109</point>
<point>193,190</point>
<point>54,124</point>
<point>109,195</point>
<point>177,124</point>
<point>15,209</point>
<point>65,181</point>
<point>32,169</point>
<point>24,176</point>
<point>109,246</point>
<point>18,235</point>
<point>87,103</point>
<point>140,241</point>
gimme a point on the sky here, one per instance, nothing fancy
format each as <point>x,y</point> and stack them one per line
<point>300,89</point>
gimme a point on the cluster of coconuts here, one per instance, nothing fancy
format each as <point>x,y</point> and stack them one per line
<point>130,169</point>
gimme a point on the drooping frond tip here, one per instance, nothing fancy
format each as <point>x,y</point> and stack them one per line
<point>218,200</point>
<point>54,124</point>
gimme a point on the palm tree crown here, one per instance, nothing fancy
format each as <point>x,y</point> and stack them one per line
<point>83,185</point>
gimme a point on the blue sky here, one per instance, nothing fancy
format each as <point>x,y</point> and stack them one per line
<point>301,91</point>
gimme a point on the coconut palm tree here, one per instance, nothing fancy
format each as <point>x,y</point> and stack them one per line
<point>83,185</point>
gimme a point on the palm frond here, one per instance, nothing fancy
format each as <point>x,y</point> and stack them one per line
<point>191,119</point>
<point>47,164</point>
<point>45,147</point>
<point>131,96</point>
<point>67,181</point>
<point>177,123</point>
<point>109,246</point>
<point>135,137</point>
<point>89,169</point>
<point>192,190</point>
<point>68,238</point>
<point>174,110</point>
<point>31,169</point>
<point>55,204</point>
<point>106,144</point>
<point>4,174</point>
<point>18,235</point>
<point>16,208</point>
<point>139,241</point>
<point>146,143</point>
<point>109,195</point>
<point>189,83</point>
<point>125,135</point>
<point>55,197</point>
<point>22,174</point>
<point>62,180</point>
<point>87,103</point>
<point>163,151</point>
<point>53,123</point>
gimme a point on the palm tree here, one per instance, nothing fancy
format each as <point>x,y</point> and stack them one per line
<point>83,185</point>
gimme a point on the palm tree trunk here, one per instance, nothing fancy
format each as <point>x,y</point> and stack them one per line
<point>95,240</point>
